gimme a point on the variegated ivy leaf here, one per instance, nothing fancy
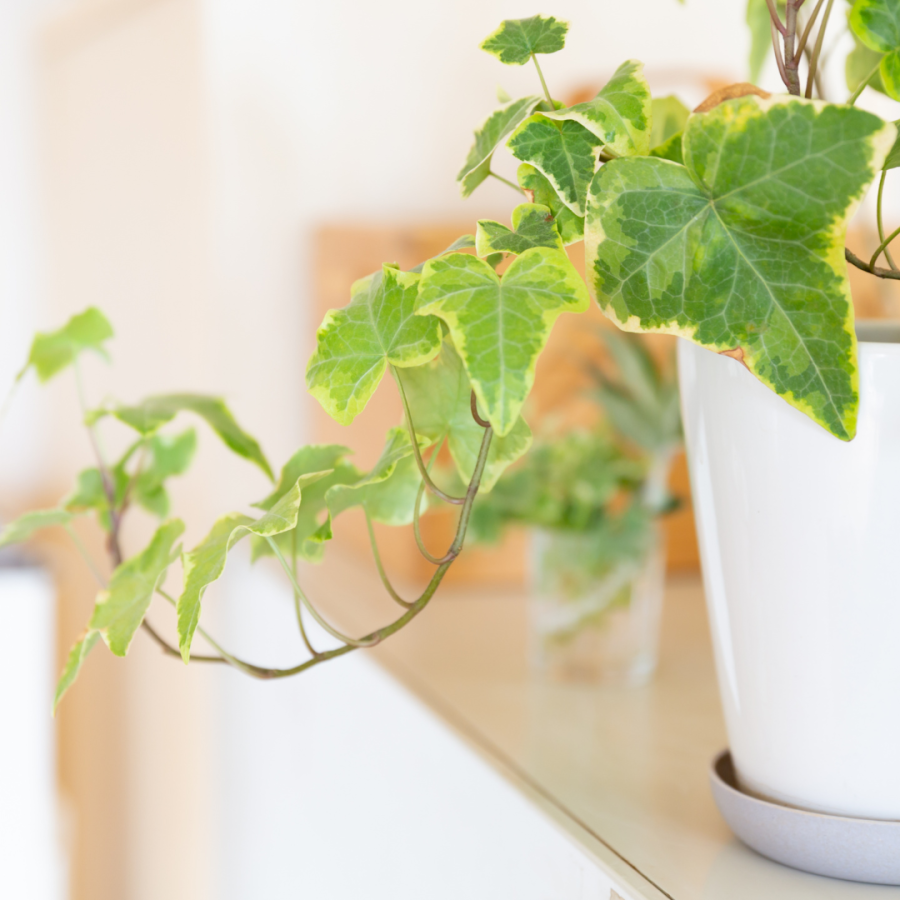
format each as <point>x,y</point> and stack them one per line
<point>619,116</point>
<point>516,40</point>
<point>540,191</point>
<point>307,538</point>
<point>21,529</point>
<point>488,138</point>
<point>389,490</point>
<point>500,327</point>
<point>121,608</point>
<point>77,655</point>
<point>742,250</point>
<point>669,117</point>
<point>440,396</point>
<point>877,24</point>
<point>532,226</point>
<point>205,563</point>
<point>354,345</point>
<point>154,412</point>
<point>54,351</point>
<point>565,152</point>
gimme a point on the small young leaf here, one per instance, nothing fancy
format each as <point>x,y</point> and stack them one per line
<point>205,563</point>
<point>121,608</point>
<point>533,226</point>
<point>670,116</point>
<point>77,655</point>
<point>307,538</point>
<point>877,24</point>
<point>488,138</point>
<point>703,251</point>
<point>619,116</point>
<point>564,152</point>
<point>54,351</point>
<point>516,40</point>
<point>461,243</point>
<point>154,412</point>
<point>500,328</point>
<point>539,190</point>
<point>355,344</point>
<point>26,525</point>
<point>440,396</point>
<point>167,456</point>
<point>502,96</point>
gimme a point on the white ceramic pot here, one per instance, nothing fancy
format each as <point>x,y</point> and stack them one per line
<point>800,545</point>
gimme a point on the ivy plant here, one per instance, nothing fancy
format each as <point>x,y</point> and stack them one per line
<point>725,226</point>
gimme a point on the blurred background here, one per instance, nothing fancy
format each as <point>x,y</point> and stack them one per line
<point>214,174</point>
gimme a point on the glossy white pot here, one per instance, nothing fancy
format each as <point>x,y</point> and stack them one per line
<point>800,546</point>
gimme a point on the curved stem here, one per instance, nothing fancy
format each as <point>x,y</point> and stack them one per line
<point>413,439</point>
<point>89,560</point>
<point>537,65</point>
<point>378,564</point>
<point>776,19</point>
<point>515,187</point>
<point>776,46</point>
<point>173,651</point>
<point>814,59</point>
<point>887,252</point>
<point>805,36</point>
<point>882,246</point>
<point>862,85</point>
<point>474,404</point>
<point>353,642</point>
<point>418,534</point>
<point>853,259</point>
<point>298,611</point>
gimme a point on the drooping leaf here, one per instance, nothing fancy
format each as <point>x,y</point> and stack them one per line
<point>500,327</point>
<point>565,152</point>
<point>516,40</point>
<point>166,456</point>
<point>355,344</point>
<point>77,655</point>
<point>154,412</point>
<point>670,116</point>
<point>539,190</point>
<point>26,525</point>
<point>743,249</point>
<point>532,226</point>
<point>121,608</point>
<point>619,116</point>
<point>461,243</point>
<point>759,22</point>
<point>877,24</point>
<point>488,138</point>
<point>205,563</point>
<point>308,536</point>
<point>389,490</point>
<point>55,350</point>
<point>439,395</point>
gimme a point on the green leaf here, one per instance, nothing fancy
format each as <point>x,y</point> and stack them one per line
<point>533,226</point>
<point>389,490</point>
<point>309,534</point>
<point>488,138</point>
<point>355,344</point>
<point>461,243</point>
<point>516,40</point>
<point>619,116</point>
<point>121,608</point>
<point>205,563</point>
<point>743,249</point>
<point>877,24</point>
<point>564,152</point>
<point>759,22</point>
<point>439,396</point>
<point>672,149</point>
<point>500,327</point>
<point>670,116</point>
<point>893,158</point>
<point>26,525</point>
<point>77,655</point>
<point>539,190</point>
<point>54,351</point>
<point>167,456</point>
<point>154,412</point>
<point>859,65</point>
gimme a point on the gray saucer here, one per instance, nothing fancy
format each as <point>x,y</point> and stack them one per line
<point>836,846</point>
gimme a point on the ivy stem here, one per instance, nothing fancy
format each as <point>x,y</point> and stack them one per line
<point>776,46</point>
<point>413,439</point>
<point>817,49</point>
<point>447,557</point>
<point>537,65</point>
<point>83,553</point>
<point>776,19</point>
<point>474,404</point>
<point>806,31</point>
<point>887,252</point>
<point>883,247</point>
<point>298,610</point>
<point>382,574</point>
<point>862,85</point>
<point>791,63</point>
<point>505,181</point>
<point>854,260</point>
<point>353,642</point>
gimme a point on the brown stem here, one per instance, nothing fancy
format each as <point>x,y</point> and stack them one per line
<point>791,63</point>
<point>173,651</point>
<point>482,422</point>
<point>877,271</point>
<point>817,50</point>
